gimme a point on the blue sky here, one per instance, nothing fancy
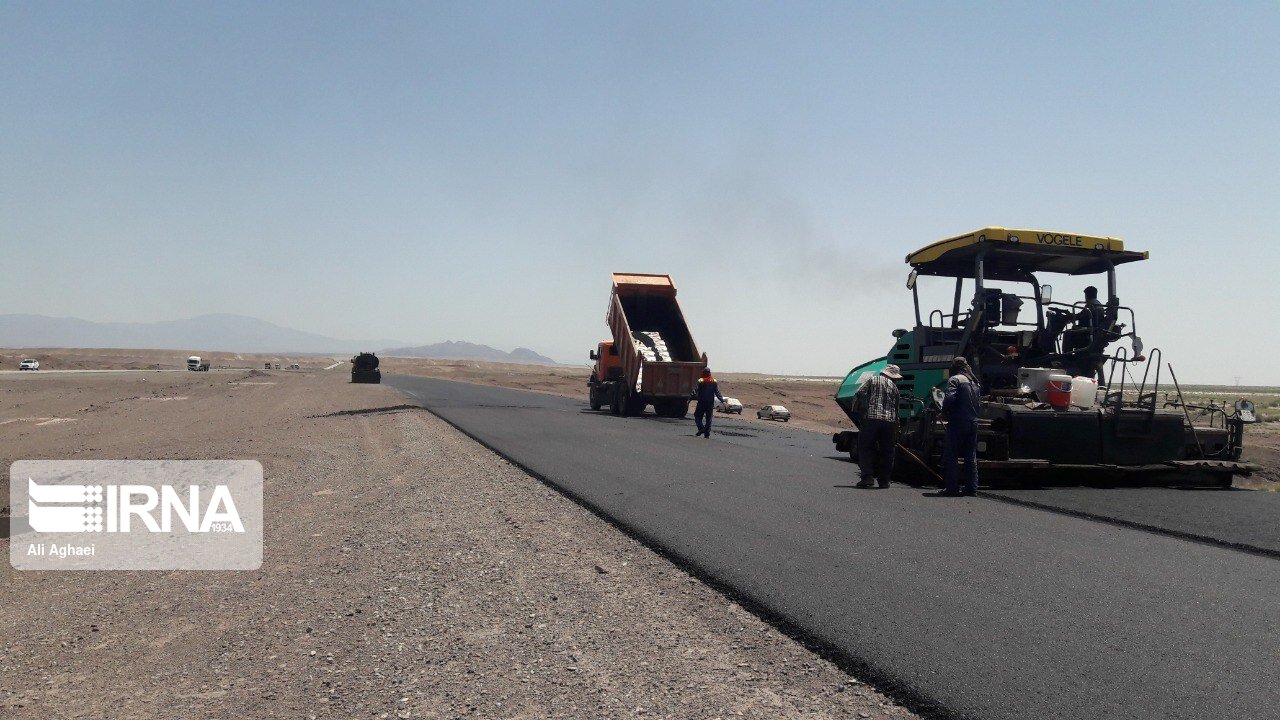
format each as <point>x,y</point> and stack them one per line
<point>476,170</point>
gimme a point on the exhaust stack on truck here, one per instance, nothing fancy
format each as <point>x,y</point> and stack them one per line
<point>652,359</point>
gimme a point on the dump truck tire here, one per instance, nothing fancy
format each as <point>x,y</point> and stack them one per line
<point>595,399</point>
<point>633,405</point>
<point>672,409</point>
<point>615,400</point>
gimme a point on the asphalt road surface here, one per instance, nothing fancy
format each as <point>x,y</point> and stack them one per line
<point>1245,519</point>
<point>963,607</point>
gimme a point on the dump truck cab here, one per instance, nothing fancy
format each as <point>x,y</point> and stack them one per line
<point>608,365</point>
<point>605,374</point>
<point>1060,380</point>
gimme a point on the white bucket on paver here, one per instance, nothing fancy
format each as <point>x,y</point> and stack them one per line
<point>1084,392</point>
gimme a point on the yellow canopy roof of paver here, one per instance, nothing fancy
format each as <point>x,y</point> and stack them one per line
<point>1013,253</point>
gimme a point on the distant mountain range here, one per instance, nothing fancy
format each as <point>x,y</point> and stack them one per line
<point>229,333</point>
<point>455,350</point>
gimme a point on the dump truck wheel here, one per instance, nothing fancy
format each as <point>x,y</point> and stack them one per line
<point>672,408</point>
<point>596,402</point>
<point>633,405</point>
<point>616,401</point>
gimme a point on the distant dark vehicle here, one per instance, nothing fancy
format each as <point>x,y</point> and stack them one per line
<point>364,369</point>
<point>266,366</point>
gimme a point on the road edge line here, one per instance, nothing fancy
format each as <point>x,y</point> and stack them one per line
<point>1209,540</point>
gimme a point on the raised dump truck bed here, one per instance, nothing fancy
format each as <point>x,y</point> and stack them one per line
<point>653,359</point>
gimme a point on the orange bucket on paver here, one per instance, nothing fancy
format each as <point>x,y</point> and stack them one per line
<point>1058,390</point>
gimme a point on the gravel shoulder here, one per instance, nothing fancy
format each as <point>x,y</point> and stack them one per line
<point>408,572</point>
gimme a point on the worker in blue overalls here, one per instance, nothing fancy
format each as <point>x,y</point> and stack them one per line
<point>961,407</point>
<point>705,393</point>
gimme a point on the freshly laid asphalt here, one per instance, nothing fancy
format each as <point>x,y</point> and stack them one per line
<point>1244,519</point>
<point>965,608</point>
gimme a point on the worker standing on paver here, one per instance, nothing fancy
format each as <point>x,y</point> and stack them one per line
<point>1091,314</point>
<point>706,393</point>
<point>877,401</point>
<point>960,406</point>
<point>1094,317</point>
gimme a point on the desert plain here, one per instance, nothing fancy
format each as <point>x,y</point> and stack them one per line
<point>408,572</point>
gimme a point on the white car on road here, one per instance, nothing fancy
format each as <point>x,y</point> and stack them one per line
<point>729,405</point>
<point>773,412</point>
<point>29,365</point>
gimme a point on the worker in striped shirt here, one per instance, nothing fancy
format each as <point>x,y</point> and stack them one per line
<point>877,403</point>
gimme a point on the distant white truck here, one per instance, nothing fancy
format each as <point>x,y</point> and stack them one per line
<point>195,363</point>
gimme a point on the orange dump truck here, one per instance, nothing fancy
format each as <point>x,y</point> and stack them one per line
<point>652,359</point>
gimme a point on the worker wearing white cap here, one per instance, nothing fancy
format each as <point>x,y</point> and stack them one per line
<point>877,403</point>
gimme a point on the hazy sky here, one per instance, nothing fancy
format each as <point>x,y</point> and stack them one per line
<point>474,171</point>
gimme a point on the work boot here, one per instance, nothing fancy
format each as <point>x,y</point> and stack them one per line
<point>865,484</point>
<point>883,485</point>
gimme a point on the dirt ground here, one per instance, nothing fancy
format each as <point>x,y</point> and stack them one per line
<point>407,572</point>
<point>1262,446</point>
